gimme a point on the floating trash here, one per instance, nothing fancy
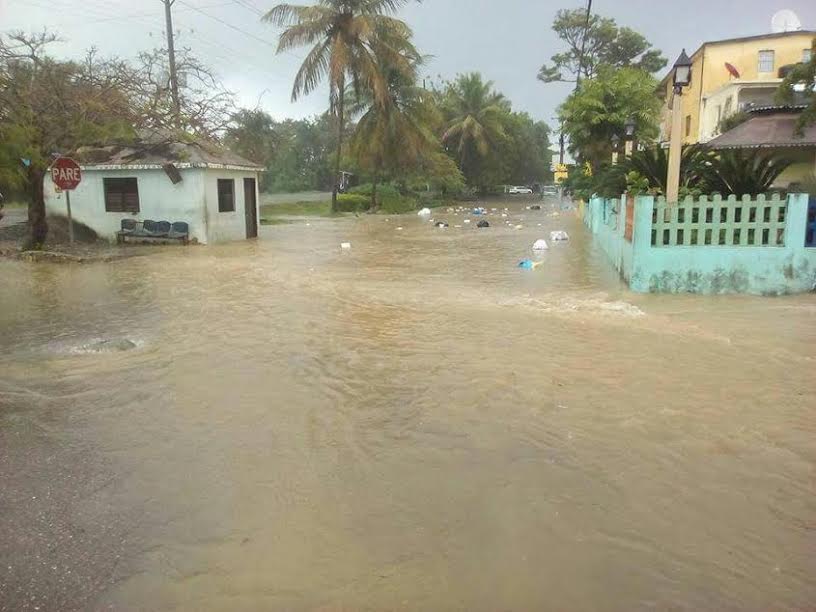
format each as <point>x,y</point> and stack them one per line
<point>482,224</point>
<point>441,224</point>
<point>528,264</point>
<point>540,245</point>
<point>559,236</point>
<point>345,246</point>
<point>425,212</point>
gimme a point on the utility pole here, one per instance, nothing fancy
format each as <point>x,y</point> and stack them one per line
<point>583,45</point>
<point>561,142</point>
<point>580,68</point>
<point>171,50</point>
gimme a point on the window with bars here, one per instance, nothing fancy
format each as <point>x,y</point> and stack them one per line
<point>766,61</point>
<point>121,195</point>
<point>226,195</point>
<point>806,55</point>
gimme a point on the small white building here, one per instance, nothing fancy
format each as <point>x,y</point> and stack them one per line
<point>164,179</point>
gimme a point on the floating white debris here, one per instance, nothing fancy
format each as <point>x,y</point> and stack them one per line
<point>399,229</point>
<point>559,236</point>
<point>467,221</point>
<point>425,212</point>
<point>345,246</point>
<point>540,245</point>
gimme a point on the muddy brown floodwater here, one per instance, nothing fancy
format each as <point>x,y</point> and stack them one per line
<point>414,424</point>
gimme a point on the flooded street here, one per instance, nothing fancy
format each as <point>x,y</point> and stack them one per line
<point>414,424</point>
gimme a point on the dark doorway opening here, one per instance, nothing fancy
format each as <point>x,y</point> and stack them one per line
<point>250,208</point>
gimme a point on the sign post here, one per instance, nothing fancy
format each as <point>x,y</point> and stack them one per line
<point>67,175</point>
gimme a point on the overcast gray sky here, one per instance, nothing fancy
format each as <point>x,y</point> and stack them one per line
<point>506,40</point>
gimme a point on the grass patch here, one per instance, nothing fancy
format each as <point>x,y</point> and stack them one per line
<point>391,203</point>
<point>297,209</point>
<point>275,221</point>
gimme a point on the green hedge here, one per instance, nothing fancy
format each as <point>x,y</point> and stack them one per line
<point>353,202</point>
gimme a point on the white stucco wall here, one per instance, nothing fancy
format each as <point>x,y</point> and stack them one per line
<point>226,226</point>
<point>194,200</point>
<point>159,200</point>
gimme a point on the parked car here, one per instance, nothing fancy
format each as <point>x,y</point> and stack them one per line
<point>520,190</point>
<point>549,190</point>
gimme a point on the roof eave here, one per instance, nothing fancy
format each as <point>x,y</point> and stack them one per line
<point>180,166</point>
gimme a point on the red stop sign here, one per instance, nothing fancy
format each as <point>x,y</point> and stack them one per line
<point>66,174</point>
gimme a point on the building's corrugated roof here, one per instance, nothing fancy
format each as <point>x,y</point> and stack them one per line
<point>766,130</point>
<point>157,149</point>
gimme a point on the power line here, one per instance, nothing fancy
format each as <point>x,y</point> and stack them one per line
<point>229,25</point>
<point>250,7</point>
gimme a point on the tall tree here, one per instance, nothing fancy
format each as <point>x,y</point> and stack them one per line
<point>252,134</point>
<point>48,107</point>
<point>600,107</point>
<point>474,111</point>
<point>602,43</point>
<point>346,37</point>
<point>800,86</point>
<point>206,106</point>
<point>395,133</point>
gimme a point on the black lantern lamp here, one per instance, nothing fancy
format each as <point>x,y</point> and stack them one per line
<point>682,72</point>
<point>630,126</point>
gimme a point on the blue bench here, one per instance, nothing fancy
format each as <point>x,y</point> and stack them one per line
<point>153,230</point>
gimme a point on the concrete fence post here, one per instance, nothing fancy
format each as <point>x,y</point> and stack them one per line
<point>641,243</point>
<point>796,221</point>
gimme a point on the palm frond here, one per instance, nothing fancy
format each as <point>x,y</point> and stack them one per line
<point>312,70</point>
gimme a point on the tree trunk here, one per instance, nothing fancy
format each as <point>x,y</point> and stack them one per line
<point>37,225</point>
<point>340,118</point>
<point>374,181</point>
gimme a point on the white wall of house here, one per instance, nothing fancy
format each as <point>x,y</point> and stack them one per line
<point>227,226</point>
<point>193,200</point>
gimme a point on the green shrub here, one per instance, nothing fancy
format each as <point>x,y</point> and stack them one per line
<point>352,202</point>
<point>389,197</point>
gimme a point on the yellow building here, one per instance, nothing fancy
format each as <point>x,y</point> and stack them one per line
<point>716,91</point>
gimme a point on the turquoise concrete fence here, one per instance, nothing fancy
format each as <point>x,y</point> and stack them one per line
<point>709,245</point>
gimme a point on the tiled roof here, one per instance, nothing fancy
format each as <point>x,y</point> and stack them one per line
<point>156,149</point>
<point>771,128</point>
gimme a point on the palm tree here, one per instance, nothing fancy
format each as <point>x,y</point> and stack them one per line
<point>395,133</point>
<point>347,37</point>
<point>474,112</point>
<point>652,163</point>
<point>741,171</point>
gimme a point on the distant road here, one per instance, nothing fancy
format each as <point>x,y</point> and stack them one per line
<point>302,196</point>
<point>14,214</point>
